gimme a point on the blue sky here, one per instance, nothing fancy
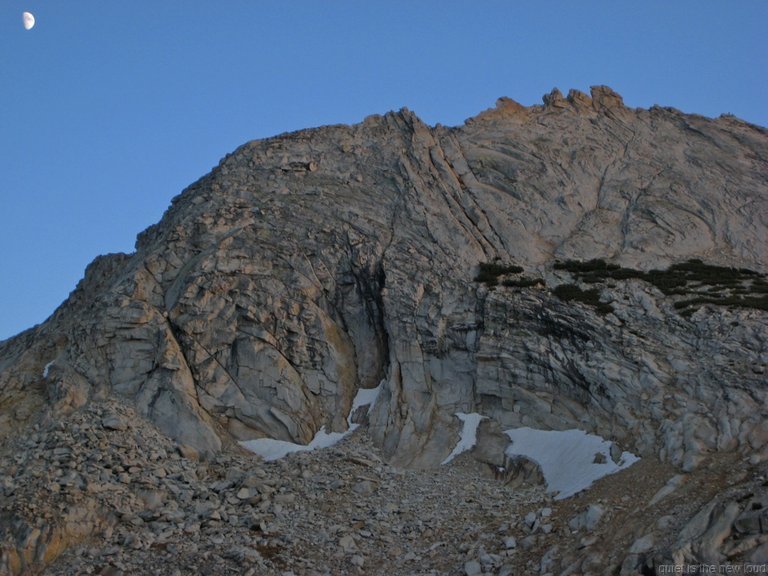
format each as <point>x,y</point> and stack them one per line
<point>108,109</point>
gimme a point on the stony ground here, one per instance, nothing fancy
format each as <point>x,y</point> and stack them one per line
<point>102,492</point>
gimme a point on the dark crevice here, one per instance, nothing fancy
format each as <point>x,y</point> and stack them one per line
<point>368,285</point>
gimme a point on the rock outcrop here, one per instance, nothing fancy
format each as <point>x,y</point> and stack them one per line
<point>307,266</point>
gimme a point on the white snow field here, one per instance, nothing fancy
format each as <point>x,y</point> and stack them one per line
<point>271,449</point>
<point>567,457</point>
<point>468,436</point>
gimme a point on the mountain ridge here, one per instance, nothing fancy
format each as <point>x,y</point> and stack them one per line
<point>312,264</point>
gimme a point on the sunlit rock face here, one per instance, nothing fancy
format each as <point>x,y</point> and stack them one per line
<point>307,266</point>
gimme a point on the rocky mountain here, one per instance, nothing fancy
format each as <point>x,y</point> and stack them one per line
<point>576,265</point>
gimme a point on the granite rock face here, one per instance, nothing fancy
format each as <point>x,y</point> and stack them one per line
<point>307,266</point>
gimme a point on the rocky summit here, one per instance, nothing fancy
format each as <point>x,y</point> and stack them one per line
<point>388,348</point>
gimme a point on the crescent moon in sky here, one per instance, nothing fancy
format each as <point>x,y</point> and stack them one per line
<point>29,20</point>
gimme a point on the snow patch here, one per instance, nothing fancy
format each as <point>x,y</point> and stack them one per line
<point>271,449</point>
<point>364,397</point>
<point>47,369</point>
<point>567,457</point>
<point>468,436</point>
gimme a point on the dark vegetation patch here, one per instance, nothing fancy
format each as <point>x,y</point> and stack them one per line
<point>490,272</point>
<point>523,282</point>
<point>571,292</point>
<point>694,281</point>
<point>701,283</point>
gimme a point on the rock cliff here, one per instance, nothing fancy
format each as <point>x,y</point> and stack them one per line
<point>579,264</point>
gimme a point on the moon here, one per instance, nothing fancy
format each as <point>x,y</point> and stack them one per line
<point>29,20</point>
